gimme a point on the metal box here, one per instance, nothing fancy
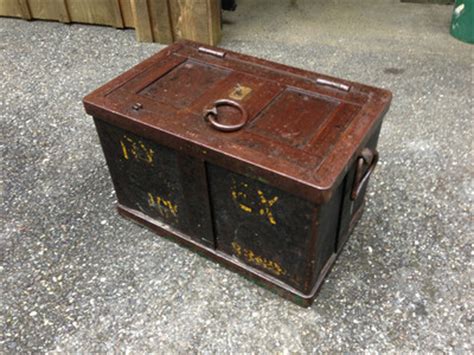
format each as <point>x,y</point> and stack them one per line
<point>257,165</point>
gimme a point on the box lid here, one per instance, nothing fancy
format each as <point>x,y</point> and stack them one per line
<point>292,128</point>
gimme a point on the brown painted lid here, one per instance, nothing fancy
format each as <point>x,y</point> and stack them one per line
<point>302,129</point>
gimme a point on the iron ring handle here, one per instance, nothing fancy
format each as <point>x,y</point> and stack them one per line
<point>210,115</point>
<point>367,157</point>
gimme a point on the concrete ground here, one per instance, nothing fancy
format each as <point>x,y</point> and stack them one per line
<point>77,277</point>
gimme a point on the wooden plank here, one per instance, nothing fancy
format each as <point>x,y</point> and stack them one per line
<point>103,12</point>
<point>25,9</point>
<point>196,20</point>
<point>161,21</point>
<point>49,10</point>
<point>127,14</point>
<point>117,13</point>
<point>142,21</point>
<point>10,8</point>
<point>214,21</point>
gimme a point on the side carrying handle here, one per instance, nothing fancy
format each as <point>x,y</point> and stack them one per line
<point>211,115</point>
<point>368,157</point>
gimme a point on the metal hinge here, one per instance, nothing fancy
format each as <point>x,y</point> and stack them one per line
<point>211,52</point>
<point>333,84</point>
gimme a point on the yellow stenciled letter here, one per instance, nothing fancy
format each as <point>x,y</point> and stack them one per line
<point>165,207</point>
<point>137,150</point>
<point>261,205</point>
<point>240,197</point>
<point>237,248</point>
<point>266,204</point>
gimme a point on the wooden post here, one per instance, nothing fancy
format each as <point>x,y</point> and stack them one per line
<point>127,14</point>
<point>166,21</point>
<point>214,21</point>
<point>142,21</point>
<point>196,20</point>
<point>161,21</point>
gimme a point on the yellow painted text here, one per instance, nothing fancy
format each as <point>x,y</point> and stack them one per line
<point>136,149</point>
<point>165,207</point>
<point>249,256</point>
<point>257,203</point>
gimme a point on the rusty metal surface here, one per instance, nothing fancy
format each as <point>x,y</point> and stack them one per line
<point>235,163</point>
<point>172,110</point>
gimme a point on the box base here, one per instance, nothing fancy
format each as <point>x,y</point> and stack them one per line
<point>234,264</point>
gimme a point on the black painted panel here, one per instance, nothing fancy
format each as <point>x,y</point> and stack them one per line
<point>326,234</point>
<point>351,207</point>
<point>261,225</point>
<point>158,181</point>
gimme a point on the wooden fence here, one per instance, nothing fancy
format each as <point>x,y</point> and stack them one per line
<point>163,21</point>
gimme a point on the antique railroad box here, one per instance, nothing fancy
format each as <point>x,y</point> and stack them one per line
<point>260,166</point>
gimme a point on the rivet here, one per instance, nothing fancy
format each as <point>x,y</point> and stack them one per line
<point>137,106</point>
